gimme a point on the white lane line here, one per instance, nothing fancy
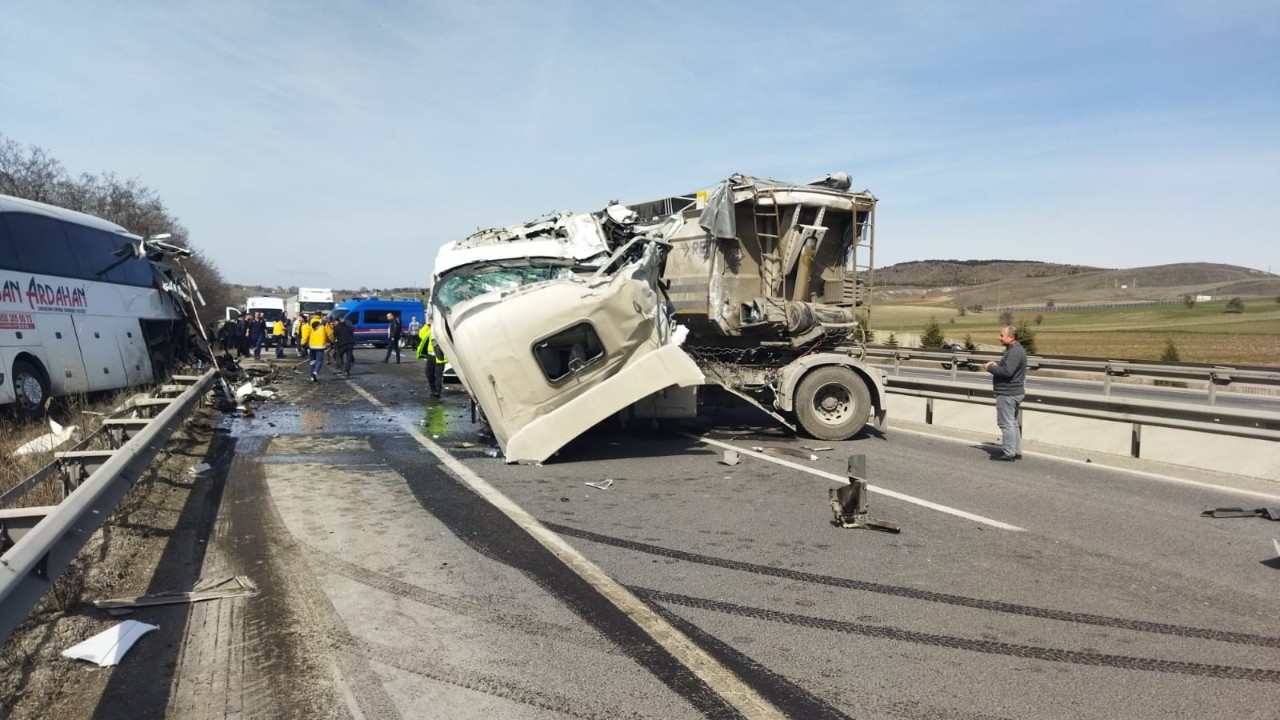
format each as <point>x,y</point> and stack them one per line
<point>720,679</point>
<point>842,479</point>
<point>1103,466</point>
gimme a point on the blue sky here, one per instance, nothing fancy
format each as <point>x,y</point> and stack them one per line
<point>325,143</point>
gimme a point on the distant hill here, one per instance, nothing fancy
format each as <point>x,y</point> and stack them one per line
<point>1006,282</point>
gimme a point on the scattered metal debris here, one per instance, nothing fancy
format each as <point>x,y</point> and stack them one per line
<point>108,647</point>
<point>817,448</point>
<point>464,445</point>
<point>1272,513</point>
<point>227,587</point>
<point>730,457</point>
<point>601,485</point>
<point>849,502</point>
<point>780,451</point>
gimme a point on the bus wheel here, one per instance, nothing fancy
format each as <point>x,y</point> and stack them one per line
<point>30,390</point>
<point>832,403</point>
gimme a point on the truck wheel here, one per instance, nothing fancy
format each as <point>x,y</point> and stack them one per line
<point>832,403</point>
<point>30,390</point>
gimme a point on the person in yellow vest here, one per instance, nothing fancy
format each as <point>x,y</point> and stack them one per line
<point>428,349</point>
<point>316,337</point>
<point>277,336</point>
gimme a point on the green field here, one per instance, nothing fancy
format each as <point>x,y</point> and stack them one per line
<point>1203,333</point>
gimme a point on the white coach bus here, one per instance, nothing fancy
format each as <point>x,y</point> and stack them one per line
<point>80,311</point>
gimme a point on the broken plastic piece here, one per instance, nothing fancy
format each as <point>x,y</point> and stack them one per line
<point>730,457</point>
<point>56,436</point>
<point>201,469</point>
<point>817,448</point>
<point>602,485</point>
<point>244,391</point>
<point>464,445</point>
<point>108,647</point>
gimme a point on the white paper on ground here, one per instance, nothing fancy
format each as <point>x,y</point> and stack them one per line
<point>108,647</point>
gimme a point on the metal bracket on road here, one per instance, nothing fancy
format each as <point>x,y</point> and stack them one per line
<point>849,502</point>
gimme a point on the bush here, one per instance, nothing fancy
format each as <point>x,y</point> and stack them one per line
<point>1170,353</point>
<point>1027,337</point>
<point>1039,319</point>
<point>892,341</point>
<point>932,337</point>
<point>1189,300</point>
<point>968,344</point>
<point>1006,318</point>
<point>965,311</point>
<point>1235,305</point>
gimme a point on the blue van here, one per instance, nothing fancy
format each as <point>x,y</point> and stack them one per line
<point>369,318</point>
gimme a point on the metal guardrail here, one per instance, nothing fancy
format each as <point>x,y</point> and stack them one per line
<point>1215,377</point>
<point>46,539</point>
<point>1258,424</point>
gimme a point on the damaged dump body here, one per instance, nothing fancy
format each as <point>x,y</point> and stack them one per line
<point>558,324</point>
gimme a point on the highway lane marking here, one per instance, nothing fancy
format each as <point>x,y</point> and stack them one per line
<point>873,488</point>
<point>720,679</point>
<point>1103,466</point>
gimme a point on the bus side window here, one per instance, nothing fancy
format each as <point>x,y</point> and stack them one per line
<point>41,244</point>
<point>8,254</point>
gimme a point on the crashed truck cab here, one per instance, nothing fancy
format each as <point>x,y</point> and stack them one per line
<point>551,331</point>
<point>560,323</point>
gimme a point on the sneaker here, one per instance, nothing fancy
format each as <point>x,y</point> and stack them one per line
<point>314,378</point>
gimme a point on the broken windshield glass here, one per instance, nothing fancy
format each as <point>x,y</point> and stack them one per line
<point>474,282</point>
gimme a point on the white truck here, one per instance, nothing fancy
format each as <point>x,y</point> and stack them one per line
<point>308,301</point>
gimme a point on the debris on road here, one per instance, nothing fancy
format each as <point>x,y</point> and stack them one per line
<point>227,587</point>
<point>56,436</point>
<point>601,485</point>
<point>108,647</point>
<point>730,457</point>
<point>201,469</point>
<point>780,451</point>
<point>817,448</point>
<point>1234,512</point>
<point>849,502</point>
<point>464,445</point>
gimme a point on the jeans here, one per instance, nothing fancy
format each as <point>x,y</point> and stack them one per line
<point>317,360</point>
<point>1007,419</point>
<point>435,375</point>
<point>392,346</point>
<point>279,346</point>
<point>257,346</point>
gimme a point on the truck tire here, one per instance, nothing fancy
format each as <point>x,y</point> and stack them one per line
<point>832,403</point>
<point>31,391</point>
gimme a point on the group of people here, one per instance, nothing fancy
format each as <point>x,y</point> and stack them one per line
<point>337,336</point>
<point>247,334</point>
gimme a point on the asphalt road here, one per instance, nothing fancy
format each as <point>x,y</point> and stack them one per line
<point>407,573</point>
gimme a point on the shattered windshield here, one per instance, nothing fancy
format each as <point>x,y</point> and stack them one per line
<point>475,281</point>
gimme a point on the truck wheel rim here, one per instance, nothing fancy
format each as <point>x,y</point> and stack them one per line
<point>833,404</point>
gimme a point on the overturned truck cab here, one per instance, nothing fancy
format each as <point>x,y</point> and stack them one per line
<point>753,285</point>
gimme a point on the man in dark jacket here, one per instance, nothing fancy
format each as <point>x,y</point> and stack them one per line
<point>1009,377</point>
<point>393,337</point>
<point>344,343</point>
<point>242,336</point>
<point>257,334</point>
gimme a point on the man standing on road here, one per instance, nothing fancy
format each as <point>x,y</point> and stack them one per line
<point>393,337</point>
<point>1009,377</point>
<point>435,359</point>
<point>257,334</point>
<point>316,336</point>
<point>344,343</point>
<point>277,336</point>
